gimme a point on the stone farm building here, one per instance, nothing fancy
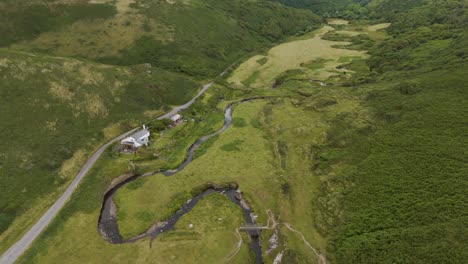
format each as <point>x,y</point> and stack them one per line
<point>136,140</point>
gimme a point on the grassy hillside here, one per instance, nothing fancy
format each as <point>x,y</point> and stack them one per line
<point>21,20</point>
<point>198,37</point>
<point>55,111</point>
<point>403,198</point>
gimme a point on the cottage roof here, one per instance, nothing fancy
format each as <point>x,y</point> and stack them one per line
<point>139,134</point>
<point>176,117</point>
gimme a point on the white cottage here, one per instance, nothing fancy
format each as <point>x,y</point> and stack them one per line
<point>136,140</point>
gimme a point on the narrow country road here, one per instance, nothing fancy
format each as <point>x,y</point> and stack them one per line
<point>15,251</point>
<point>186,105</point>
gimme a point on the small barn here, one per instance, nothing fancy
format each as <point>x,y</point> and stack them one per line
<point>176,118</point>
<point>136,140</point>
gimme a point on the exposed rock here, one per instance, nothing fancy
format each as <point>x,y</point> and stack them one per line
<point>272,243</point>
<point>278,258</point>
<point>238,196</point>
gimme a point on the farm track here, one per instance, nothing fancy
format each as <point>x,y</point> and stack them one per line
<point>321,258</point>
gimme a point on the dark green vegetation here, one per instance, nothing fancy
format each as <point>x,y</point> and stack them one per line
<point>403,198</point>
<point>355,9</point>
<point>331,8</point>
<point>240,27</point>
<point>315,64</point>
<point>262,61</point>
<point>24,20</point>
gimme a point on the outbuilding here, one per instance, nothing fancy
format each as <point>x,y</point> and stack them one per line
<point>176,118</point>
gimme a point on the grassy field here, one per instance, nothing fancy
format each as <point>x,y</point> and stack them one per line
<point>210,239</point>
<point>223,162</point>
<point>293,55</point>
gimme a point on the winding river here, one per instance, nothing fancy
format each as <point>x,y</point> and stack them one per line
<point>107,223</point>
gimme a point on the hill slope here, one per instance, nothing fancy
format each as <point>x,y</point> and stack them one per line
<point>403,197</point>
<point>198,37</point>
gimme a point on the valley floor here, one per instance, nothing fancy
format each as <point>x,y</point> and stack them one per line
<point>263,152</point>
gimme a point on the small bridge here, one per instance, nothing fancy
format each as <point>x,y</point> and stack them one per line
<point>252,227</point>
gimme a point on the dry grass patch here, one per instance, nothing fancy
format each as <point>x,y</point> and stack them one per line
<point>95,106</point>
<point>349,32</point>
<point>90,77</point>
<point>337,21</point>
<point>153,113</point>
<point>71,166</point>
<point>51,125</point>
<point>291,55</point>
<point>378,27</point>
<point>99,37</point>
<point>122,5</point>
<point>60,91</point>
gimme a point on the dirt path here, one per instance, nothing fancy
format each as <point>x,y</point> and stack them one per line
<point>238,246</point>
<point>321,258</point>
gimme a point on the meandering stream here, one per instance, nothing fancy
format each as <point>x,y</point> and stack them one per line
<point>107,223</point>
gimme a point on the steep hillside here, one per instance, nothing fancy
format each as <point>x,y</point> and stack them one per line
<point>198,37</point>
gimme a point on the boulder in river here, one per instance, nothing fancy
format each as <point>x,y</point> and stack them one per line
<point>238,196</point>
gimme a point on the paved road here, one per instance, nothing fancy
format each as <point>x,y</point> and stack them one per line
<point>187,105</point>
<point>15,251</point>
